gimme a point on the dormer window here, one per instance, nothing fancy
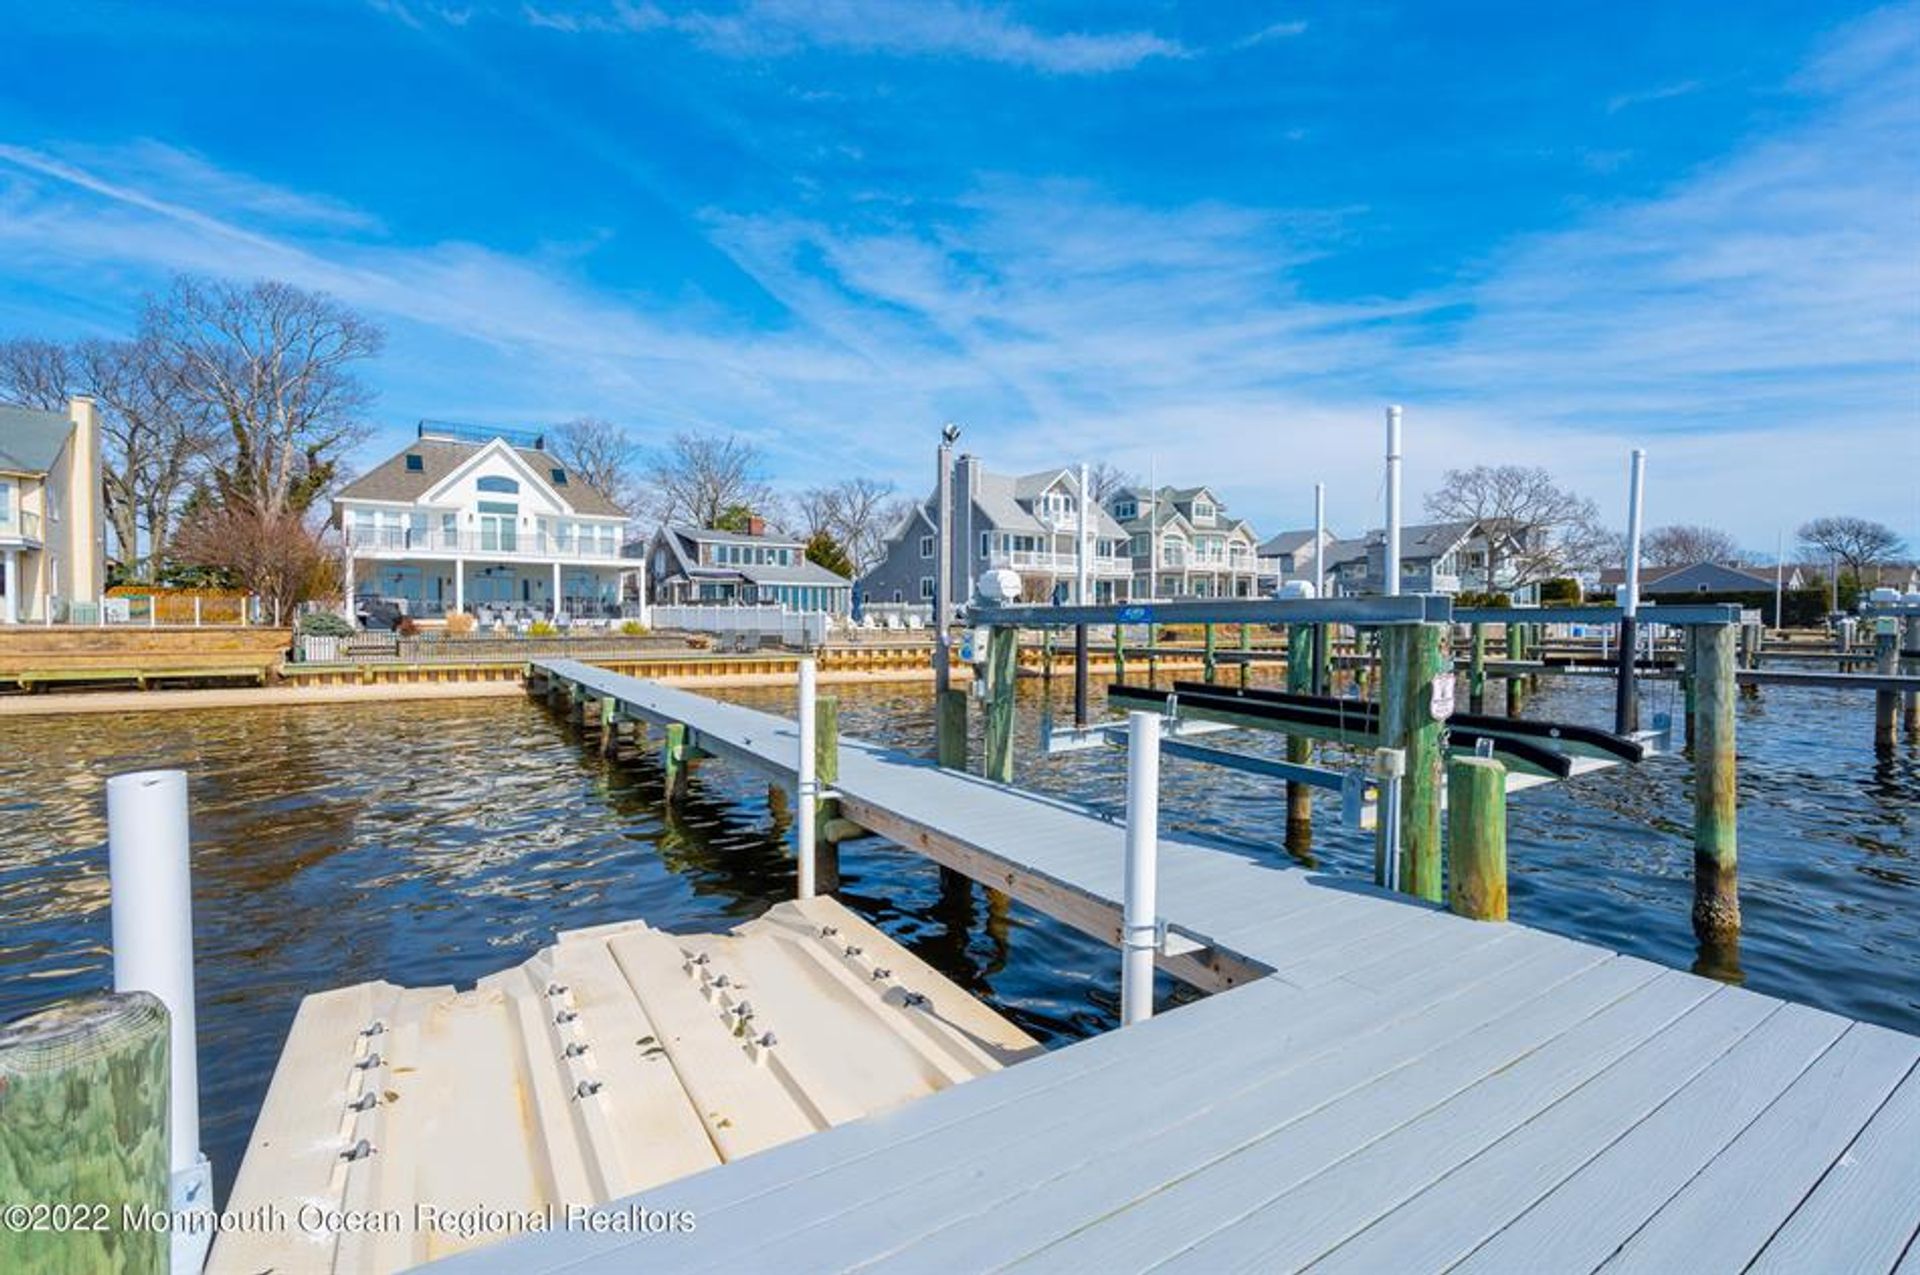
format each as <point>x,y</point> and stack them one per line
<point>415,462</point>
<point>1126,511</point>
<point>1203,511</point>
<point>559,477</point>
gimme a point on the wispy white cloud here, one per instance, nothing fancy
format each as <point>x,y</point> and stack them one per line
<point>1283,30</point>
<point>1642,97</point>
<point>906,28</point>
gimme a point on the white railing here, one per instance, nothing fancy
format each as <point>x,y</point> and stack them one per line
<point>482,544</point>
<point>792,628</point>
<point>141,610</point>
<point>20,523</point>
<point>1064,564</point>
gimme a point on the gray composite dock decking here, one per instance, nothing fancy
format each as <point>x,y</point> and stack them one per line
<point>1393,1088</point>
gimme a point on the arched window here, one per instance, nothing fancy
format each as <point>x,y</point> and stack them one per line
<point>493,483</point>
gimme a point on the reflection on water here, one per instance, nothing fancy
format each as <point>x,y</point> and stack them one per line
<point>428,842</point>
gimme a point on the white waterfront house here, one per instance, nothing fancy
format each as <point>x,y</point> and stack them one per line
<point>52,525</point>
<point>486,521</point>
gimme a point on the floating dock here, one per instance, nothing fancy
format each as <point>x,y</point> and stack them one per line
<point>1388,1087</point>
<point>617,1060</point>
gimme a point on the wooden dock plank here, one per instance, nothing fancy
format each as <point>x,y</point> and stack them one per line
<point>1721,1218</point>
<point>1864,1214</point>
<point>1502,1177</point>
<point>1282,1175</point>
<point>1580,1221</point>
<point>1332,1096</point>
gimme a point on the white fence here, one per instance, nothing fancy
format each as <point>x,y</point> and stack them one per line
<point>806,629</point>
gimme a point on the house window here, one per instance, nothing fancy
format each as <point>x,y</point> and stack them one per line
<point>491,482</point>
<point>926,586</point>
<point>926,546</point>
<point>559,477</point>
<point>986,544</point>
<point>415,462</point>
<point>1126,510</point>
<point>1203,511</point>
<point>897,597</point>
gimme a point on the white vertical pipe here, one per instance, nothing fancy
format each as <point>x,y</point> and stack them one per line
<point>1083,560</point>
<point>1139,923</point>
<point>1636,492</point>
<point>152,910</point>
<point>808,781</point>
<point>1779,579</point>
<point>1319,540</point>
<point>1392,568</point>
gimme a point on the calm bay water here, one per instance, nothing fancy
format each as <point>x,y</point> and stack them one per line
<point>434,842</point>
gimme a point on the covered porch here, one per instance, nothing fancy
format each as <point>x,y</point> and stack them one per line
<point>491,591</point>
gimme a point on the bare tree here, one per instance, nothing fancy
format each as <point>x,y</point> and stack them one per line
<point>1859,543</point>
<point>277,366</point>
<point>282,558</point>
<point>698,479</point>
<point>1684,544</point>
<point>1535,529</point>
<point>1105,479</point>
<point>37,373</point>
<point>155,442</point>
<point>857,513</point>
<point>603,456</point>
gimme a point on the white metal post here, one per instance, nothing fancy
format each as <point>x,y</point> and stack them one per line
<point>1319,540</point>
<point>1392,568</point>
<point>1779,579</point>
<point>1083,559</point>
<point>808,782</point>
<point>152,916</point>
<point>1139,921</point>
<point>1636,492</point>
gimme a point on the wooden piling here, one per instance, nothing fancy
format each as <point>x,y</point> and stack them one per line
<point>1299,750</point>
<point>1516,682</point>
<point>826,768</point>
<point>1912,652</point>
<point>1886,704</point>
<point>673,759</point>
<point>1207,659</point>
<point>1477,838</point>
<point>608,726</point>
<point>950,709</point>
<point>1477,670</point>
<point>1246,648</point>
<point>1411,661</point>
<point>1119,652</point>
<point>1002,679</point>
<point>84,1130</point>
<point>1716,867</point>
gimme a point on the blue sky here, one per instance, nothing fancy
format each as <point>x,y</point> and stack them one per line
<point>1216,238</point>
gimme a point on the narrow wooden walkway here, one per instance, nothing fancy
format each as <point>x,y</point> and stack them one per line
<point>1394,1089</point>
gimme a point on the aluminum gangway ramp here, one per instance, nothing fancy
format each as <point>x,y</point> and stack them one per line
<point>1394,1088</point>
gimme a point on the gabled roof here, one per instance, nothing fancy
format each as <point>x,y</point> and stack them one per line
<point>30,439</point>
<point>713,535</point>
<point>1288,542</point>
<point>1004,501</point>
<point>1162,511</point>
<point>439,457</point>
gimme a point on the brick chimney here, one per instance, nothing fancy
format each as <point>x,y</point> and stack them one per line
<point>756,525</point>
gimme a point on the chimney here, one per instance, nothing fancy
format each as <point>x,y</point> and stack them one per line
<point>756,525</point>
